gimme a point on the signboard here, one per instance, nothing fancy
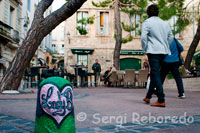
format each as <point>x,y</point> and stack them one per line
<point>131,52</point>
<point>82,51</point>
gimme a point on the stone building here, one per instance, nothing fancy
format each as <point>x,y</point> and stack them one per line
<point>99,42</point>
<point>58,44</point>
<point>44,53</point>
<point>10,30</point>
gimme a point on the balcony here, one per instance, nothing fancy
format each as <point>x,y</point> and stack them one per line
<point>8,34</point>
<point>15,35</point>
<point>5,31</point>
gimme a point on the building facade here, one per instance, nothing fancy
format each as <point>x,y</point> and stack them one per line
<point>99,41</point>
<point>44,53</point>
<point>58,45</point>
<point>10,30</point>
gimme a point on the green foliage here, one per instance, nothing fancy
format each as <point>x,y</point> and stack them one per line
<point>127,27</point>
<point>167,10</point>
<point>128,39</point>
<point>105,3</point>
<point>90,20</point>
<point>81,29</point>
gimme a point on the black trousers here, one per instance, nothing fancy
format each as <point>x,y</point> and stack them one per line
<point>155,61</point>
<point>174,69</point>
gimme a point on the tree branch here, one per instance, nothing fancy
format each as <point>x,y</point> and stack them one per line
<point>66,11</point>
<point>125,4</point>
<point>41,8</point>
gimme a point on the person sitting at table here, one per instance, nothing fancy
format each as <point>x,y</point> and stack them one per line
<point>194,70</point>
<point>113,69</point>
<point>105,76</point>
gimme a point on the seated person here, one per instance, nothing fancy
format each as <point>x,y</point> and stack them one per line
<point>105,76</point>
<point>112,69</point>
<point>194,70</point>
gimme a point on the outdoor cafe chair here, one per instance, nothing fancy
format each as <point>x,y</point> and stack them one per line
<point>120,77</point>
<point>113,78</point>
<point>142,78</point>
<point>129,77</point>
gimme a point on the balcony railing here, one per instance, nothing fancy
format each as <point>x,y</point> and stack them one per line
<point>15,35</point>
<point>9,33</point>
<point>5,29</point>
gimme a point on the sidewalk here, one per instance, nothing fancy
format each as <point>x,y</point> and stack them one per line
<point>109,110</point>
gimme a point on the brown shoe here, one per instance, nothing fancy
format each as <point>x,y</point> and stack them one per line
<point>157,104</point>
<point>147,100</point>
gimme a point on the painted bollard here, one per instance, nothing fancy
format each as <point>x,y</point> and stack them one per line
<point>55,110</point>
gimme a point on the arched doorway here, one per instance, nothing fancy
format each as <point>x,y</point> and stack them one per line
<point>130,63</point>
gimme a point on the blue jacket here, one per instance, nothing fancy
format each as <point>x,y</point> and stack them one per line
<point>174,57</point>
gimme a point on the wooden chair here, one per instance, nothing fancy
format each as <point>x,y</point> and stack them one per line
<point>129,77</point>
<point>120,77</point>
<point>113,78</point>
<point>142,78</point>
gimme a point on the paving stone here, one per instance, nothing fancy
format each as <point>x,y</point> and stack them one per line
<point>84,129</point>
<point>9,118</point>
<point>18,131</point>
<point>129,124</point>
<point>107,127</point>
<point>144,129</point>
<point>125,131</point>
<point>165,126</point>
<point>22,121</point>
<point>6,128</point>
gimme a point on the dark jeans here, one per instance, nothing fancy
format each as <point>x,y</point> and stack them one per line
<point>155,61</point>
<point>174,69</point>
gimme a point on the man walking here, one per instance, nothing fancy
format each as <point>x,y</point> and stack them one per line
<point>156,38</point>
<point>96,67</point>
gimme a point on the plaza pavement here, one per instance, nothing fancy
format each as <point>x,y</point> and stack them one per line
<point>112,109</point>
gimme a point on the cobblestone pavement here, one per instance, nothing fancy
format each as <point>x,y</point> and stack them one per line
<point>10,124</point>
<point>17,112</point>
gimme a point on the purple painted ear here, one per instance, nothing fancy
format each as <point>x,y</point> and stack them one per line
<point>55,103</point>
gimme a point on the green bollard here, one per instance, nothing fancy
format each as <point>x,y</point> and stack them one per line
<point>55,110</point>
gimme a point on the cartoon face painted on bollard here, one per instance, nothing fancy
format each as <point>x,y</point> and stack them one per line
<point>55,111</point>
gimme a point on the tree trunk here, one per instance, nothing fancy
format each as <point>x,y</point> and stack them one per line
<point>39,29</point>
<point>193,47</point>
<point>118,28</point>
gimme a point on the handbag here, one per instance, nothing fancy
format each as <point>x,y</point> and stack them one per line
<point>181,61</point>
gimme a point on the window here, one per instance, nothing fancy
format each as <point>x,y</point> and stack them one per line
<point>62,50</point>
<point>54,47</point>
<point>29,5</point>
<point>135,22</point>
<point>81,22</point>
<point>11,16</point>
<point>103,25</point>
<point>82,59</point>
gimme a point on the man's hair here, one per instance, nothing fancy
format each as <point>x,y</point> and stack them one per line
<point>152,10</point>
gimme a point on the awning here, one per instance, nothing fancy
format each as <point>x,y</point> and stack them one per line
<point>131,52</point>
<point>82,51</point>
